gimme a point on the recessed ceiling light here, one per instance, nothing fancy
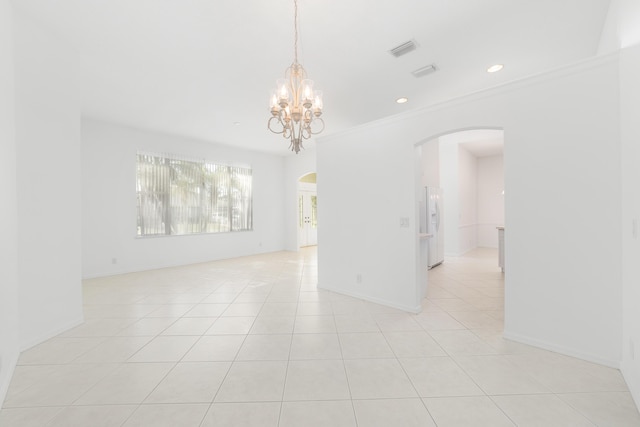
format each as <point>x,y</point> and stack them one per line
<point>495,68</point>
<point>236,123</point>
<point>402,100</point>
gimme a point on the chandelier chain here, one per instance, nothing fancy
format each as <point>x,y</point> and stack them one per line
<point>295,31</point>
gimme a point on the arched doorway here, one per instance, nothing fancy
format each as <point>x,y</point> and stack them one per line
<point>307,211</point>
<point>467,168</point>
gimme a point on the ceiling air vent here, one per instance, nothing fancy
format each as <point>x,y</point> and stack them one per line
<point>404,48</point>
<point>421,72</point>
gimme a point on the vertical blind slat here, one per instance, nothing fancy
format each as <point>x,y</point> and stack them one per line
<point>179,196</point>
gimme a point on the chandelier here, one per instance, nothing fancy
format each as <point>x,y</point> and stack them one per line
<point>295,107</point>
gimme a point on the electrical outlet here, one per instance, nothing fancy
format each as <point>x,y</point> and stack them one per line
<point>114,260</point>
<point>404,222</point>
<point>358,278</point>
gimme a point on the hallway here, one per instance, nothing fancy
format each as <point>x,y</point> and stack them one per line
<point>252,342</point>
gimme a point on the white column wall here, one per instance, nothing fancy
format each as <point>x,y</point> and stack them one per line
<point>490,199</point>
<point>622,31</point>
<point>430,164</point>
<point>450,182</point>
<point>48,177</point>
<point>109,203</point>
<point>366,188</point>
<point>630,127</point>
<point>559,273</point>
<point>9,342</point>
<point>467,200</point>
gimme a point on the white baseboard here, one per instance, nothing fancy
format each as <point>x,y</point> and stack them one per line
<point>8,368</point>
<point>560,349</point>
<point>379,301</point>
<point>9,365</point>
<point>632,378</point>
<point>142,268</point>
<point>52,333</point>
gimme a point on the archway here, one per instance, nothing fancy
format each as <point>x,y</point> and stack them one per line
<point>465,170</point>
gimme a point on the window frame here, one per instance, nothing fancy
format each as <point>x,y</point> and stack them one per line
<point>202,182</point>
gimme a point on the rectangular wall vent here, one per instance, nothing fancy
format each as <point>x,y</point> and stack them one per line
<point>404,48</point>
<point>421,72</point>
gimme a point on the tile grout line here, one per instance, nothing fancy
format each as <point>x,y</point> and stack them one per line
<point>286,371</point>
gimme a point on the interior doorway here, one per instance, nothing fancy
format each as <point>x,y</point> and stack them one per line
<point>467,169</point>
<point>307,211</point>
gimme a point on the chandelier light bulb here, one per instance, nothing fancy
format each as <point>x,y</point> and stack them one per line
<point>273,104</point>
<point>283,93</point>
<point>317,102</point>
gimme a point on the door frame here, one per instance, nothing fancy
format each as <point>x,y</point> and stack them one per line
<point>304,188</point>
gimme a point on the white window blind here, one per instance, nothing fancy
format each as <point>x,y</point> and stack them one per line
<point>178,196</point>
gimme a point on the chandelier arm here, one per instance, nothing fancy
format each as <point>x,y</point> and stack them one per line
<point>317,119</point>
<point>306,132</point>
<point>279,122</point>
<point>308,116</point>
<point>282,117</point>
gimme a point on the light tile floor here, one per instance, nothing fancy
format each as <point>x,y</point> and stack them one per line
<point>253,342</point>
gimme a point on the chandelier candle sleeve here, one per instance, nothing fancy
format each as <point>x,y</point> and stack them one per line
<point>307,91</point>
<point>295,106</point>
<point>283,93</point>
<point>317,103</point>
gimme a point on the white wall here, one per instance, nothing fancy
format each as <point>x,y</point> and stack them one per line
<point>630,127</point>
<point>622,26</point>
<point>467,201</point>
<point>622,30</point>
<point>490,199</point>
<point>48,178</point>
<point>430,163</point>
<point>458,178</point>
<point>9,343</point>
<point>295,167</point>
<point>109,203</point>
<point>562,293</point>
<point>364,188</point>
<point>450,183</point>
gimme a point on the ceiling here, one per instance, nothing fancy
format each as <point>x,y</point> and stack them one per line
<point>205,68</point>
<point>481,142</point>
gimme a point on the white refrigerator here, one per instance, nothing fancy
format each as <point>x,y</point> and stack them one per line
<point>434,226</point>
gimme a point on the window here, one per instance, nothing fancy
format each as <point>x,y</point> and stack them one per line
<point>178,196</point>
